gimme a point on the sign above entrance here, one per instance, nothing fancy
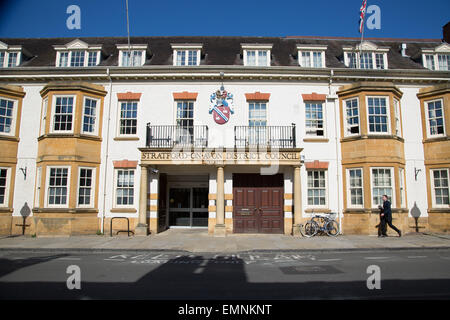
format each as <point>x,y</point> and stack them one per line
<point>226,157</point>
<point>222,105</point>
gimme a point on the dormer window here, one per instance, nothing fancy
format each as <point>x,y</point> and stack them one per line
<point>77,54</point>
<point>256,55</point>
<point>10,56</point>
<point>186,54</point>
<point>438,58</point>
<point>366,56</point>
<point>311,56</point>
<point>133,55</point>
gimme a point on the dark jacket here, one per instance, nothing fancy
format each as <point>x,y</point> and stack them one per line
<point>387,210</point>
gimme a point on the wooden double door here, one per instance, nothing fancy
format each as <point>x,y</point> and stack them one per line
<point>258,203</point>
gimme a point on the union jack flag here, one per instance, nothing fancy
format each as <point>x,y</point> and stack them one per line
<point>361,16</point>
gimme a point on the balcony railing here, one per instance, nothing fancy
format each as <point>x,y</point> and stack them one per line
<point>169,136</point>
<point>264,136</point>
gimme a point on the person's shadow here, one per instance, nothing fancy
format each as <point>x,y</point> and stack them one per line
<point>416,213</point>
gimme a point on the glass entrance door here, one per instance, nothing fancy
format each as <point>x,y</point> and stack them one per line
<point>188,207</point>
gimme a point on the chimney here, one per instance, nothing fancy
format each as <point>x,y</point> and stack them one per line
<point>446,32</point>
<point>404,50</point>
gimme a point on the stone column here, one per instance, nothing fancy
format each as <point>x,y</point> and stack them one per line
<point>297,201</point>
<point>142,227</point>
<point>219,229</point>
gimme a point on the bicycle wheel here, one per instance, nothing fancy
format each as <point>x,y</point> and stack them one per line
<point>332,228</point>
<point>311,228</point>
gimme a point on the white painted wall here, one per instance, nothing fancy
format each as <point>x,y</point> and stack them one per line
<point>158,107</point>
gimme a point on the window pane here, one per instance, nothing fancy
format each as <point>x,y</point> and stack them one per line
<point>251,58</point>
<point>125,187</point>
<point>6,116</point>
<point>378,116</point>
<point>89,115</point>
<point>435,118</point>
<point>128,117</point>
<point>12,59</point>
<point>3,181</point>
<point>77,59</point>
<point>316,188</point>
<point>92,58</point>
<point>352,115</point>
<point>63,114</point>
<point>58,182</point>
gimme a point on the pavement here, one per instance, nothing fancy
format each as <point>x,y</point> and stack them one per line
<point>198,240</point>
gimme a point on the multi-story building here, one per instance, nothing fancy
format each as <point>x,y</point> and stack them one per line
<point>233,134</point>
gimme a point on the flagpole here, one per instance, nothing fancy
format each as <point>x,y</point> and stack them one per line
<point>363,18</point>
<point>360,45</point>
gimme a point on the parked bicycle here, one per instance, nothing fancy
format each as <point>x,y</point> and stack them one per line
<point>322,224</point>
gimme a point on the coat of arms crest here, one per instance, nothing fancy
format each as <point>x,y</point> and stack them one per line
<point>221,106</point>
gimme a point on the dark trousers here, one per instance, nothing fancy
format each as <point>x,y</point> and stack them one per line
<point>383,228</point>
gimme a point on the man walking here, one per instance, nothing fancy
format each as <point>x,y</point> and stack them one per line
<point>386,217</point>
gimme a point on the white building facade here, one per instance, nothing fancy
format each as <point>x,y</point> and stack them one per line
<point>233,135</point>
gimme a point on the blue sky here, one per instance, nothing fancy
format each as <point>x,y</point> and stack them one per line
<point>47,18</point>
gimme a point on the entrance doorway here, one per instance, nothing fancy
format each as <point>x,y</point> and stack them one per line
<point>258,203</point>
<point>188,206</point>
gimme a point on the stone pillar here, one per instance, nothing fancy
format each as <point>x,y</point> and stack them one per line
<point>142,227</point>
<point>297,201</point>
<point>219,229</point>
<point>154,196</point>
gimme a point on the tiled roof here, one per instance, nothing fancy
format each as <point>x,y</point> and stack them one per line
<point>224,50</point>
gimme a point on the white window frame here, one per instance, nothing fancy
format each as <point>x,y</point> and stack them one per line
<point>326,190</point>
<point>398,118</point>
<point>14,117</point>
<point>37,191</point>
<point>448,60</point>
<point>7,187</point>
<point>116,174</point>
<point>433,193</point>
<point>402,187</point>
<point>256,57</point>
<point>393,197</point>
<point>388,114</point>
<point>435,59</point>
<point>311,58</point>
<point>257,48</point>
<point>143,57</point>
<point>47,186</point>
<point>324,121</point>
<point>6,58</point>
<point>119,118</point>
<point>69,58</point>
<point>93,186</point>
<point>347,132</point>
<point>429,135</point>
<point>186,52</point>
<point>52,120</point>
<point>96,124</point>
<point>43,116</point>
<point>358,59</point>
<point>349,196</point>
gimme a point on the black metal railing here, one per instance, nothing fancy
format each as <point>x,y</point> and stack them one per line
<point>264,136</point>
<point>169,136</point>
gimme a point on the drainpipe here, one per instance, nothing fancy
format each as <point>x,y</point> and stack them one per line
<point>338,169</point>
<point>107,150</point>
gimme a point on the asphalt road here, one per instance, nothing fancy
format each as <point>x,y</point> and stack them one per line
<point>404,274</point>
